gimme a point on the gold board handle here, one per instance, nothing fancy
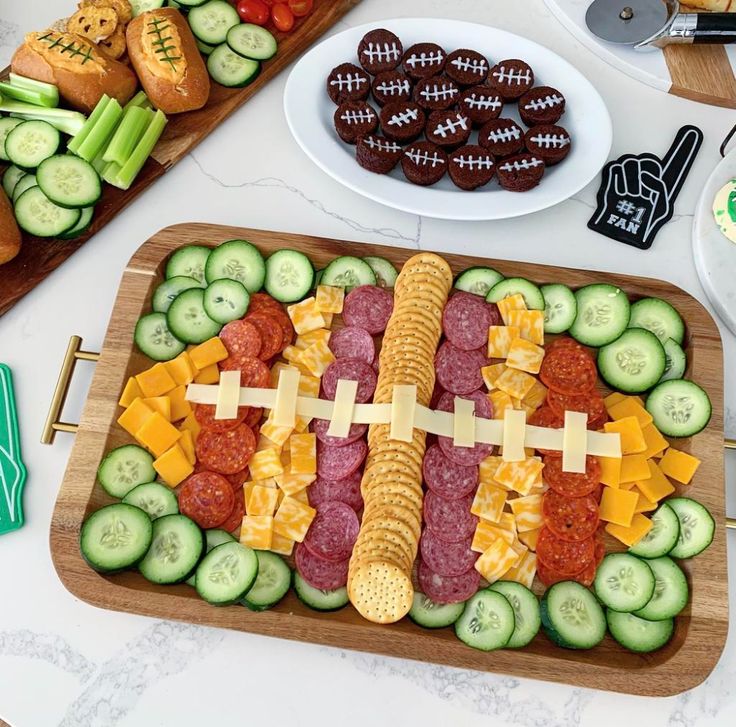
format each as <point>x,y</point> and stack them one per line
<point>53,423</point>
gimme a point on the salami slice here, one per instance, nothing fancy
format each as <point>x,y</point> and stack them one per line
<point>226,452</point>
<point>571,484</point>
<point>271,332</point>
<point>457,371</point>
<point>495,314</point>
<point>333,531</point>
<point>446,478</point>
<point>369,307</point>
<point>205,416</point>
<point>465,321</point>
<point>319,572</point>
<point>253,372</point>
<point>241,337</point>
<point>447,559</point>
<point>466,456</point>
<point>591,404</point>
<point>353,342</point>
<point>563,556</point>
<point>347,491</point>
<point>235,518</point>
<point>207,498</point>
<point>354,370</point>
<point>320,427</point>
<point>450,520</point>
<point>568,370</point>
<point>570,518</point>
<point>338,463</point>
<point>448,589</point>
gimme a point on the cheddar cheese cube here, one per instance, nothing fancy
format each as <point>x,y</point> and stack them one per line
<point>515,383</point>
<point>292,354</point>
<point>510,303</point>
<point>656,486</point>
<point>489,502</point>
<point>499,340</point>
<point>291,483</point>
<point>301,496</point>
<point>524,571</point>
<point>643,504</point>
<point>161,404</point>
<point>487,469</point>
<point>293,518</point>
<point>156,381</point>
<point>208,375</point>
<point>632,439</point>
<point>172,466</point>
<point>634,467</point>
<point>281,545</point>
<point>131,392</point>
<point>309,386</point>
<point>680,466</point>
<point>610,471</point>
<point>618,506</point>
<point>537,395</point>
<point>307,339</point>
<point>328,319</point>
<point>275,434</point>
<point>186,442</point>
<point>501,401</point>
<point>491,373</point>
<point>525,356</point>
<point>301,424</point>
<point>181,369</point>
<point>530,324</point>
<point>630,406</point>
<point>305,316</point>
<point>528,512</point>
<point>519,476</point>
<point>210,352</point>
<point>262,500</point>
<point>640,526</point>
<point>250,484</point>
<point>486,534</point>
<point>529,538</point>
<point>496,561</point>
<point>656,443</point>
<point>264,464</point>
<point>264,443</point>
<point>191,424</point>
<point>303,454</point>
<point>330,298</point>
<point>157,434</point>
<point>616,397</point>
<point>317,358</point>
<point>257,531</point>
<point>180,407</point>
<point>507,522</point>
<point>135,416</point>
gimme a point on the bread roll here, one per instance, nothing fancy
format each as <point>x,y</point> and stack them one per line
<point>10,238</point>
<point>165,56</point>
<point>721,6</point>
<point>82,71</point>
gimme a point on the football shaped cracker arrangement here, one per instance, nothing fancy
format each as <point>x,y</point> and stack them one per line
<point>437,113</point>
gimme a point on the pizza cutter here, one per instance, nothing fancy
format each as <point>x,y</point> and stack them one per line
<point>656,23</point>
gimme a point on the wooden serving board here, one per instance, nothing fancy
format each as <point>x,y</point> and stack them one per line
<point>701,629</point>
<point>39,258</point>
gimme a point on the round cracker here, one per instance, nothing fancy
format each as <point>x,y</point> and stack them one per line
<point>381,591</point>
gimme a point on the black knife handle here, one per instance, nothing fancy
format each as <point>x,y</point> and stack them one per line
<point>715,28</point>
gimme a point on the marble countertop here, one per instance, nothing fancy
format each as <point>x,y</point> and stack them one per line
<point>63,662</point>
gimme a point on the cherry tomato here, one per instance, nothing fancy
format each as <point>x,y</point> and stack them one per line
<point>253,11</point>
<point>300,8</point>
<point>282,17</point>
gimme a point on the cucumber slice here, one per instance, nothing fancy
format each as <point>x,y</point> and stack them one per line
<point>11,177</point>
<point>69,181</point>
<point>478,280</point>
<point>154,338</point>
<point>671,592</point>
<point>624,582</point>
<point>165,294</point>
<point>211,21</point>
<point>226,300</point>
<point>204,48</point>
<point>602,316</point>
<point>430,615</point>
<point>318,277</point>
<point>115,537</point>
<point>30,142</point>
<point>487,622</point>
<point>272,582</point>
<point>572,617</point>
<point>289,275</point>
<point>226,573</point>
<point>697,527</point>
<point>659,317</point>
<point>511,286</point>
<point>348,272</point>
<point>633,363</point>
<point>675,361</point>
<point>6,126</point>
<point>189,261</point>
<point>84,223</point>
<point>662,536</point>
<point>252,41</point>
<point>186,4</point>
<point>155,499</point>
<point>237,260</point>
<point>680,408</point>
<point>384,271</point>
<point>212,538</point>
<point>188,320</point>
<point>38,215</point>
<point>124,468</point>
<point>637,634</point>
<point>317,599</point>
<point>230,69</point>
<point>527,619</point>
<point>176,548</point>
<point>141,6</point>
<point>25,182</point>
<point>560,308</point>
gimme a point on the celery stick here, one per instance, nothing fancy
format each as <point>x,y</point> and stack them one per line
<point>94,117</point>
<point>101,132</point>
<point>26,95</point>
<point>48,90</point>
<point>99,164</point>
<point>129,171</point>
<point>128,134</point>
<point>140,99</point>
<point>68,122</point>
<point>110,174</point>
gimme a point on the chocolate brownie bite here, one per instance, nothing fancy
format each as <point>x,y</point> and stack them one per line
<point>402,121</point>
<point>541,105</point>
<point>521,173</point>
<point>512,78</point>
<point>380,50</point>
<point>391,86</point>
<point>467,67</point>
<point>424,163</point>
<point>348,82</point>
<point>354,119</point>
<point>437,93</point>
<point>377,154</point>
<point>471,167</point>
<point>424,60</point>
<point>502,137</point>
<point>448,128</point>
<point>480,104</point>
<point>551,143</point>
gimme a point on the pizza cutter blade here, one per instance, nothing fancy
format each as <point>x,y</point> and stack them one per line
<point>626,22</point>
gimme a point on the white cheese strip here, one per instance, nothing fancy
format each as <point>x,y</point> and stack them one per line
<point>207,394</point>
<point>228,393</point>
<point>489,431</point>
<point>514,433</point>
<point>372,414</point>
<point>287,392</point>
<point>574,441</point>
<point>463,433</point>
<point>434,422</point>
<point>543,438</point>
<point>403,409</point>
<point>342,411</point>
<point>606,444</point>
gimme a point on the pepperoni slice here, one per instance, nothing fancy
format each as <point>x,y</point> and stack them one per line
<point>570,518</point>
<point>549,577</point>
<point>545,417</point>
<point>226,452</point>
<point>205,415</point>
<point>564,556</point>
<point>207,498</point>
<point>254,416</point>
<point>253,372</point>
<point>591,404</point>
<point>238,479</point>
<point>569,370</point>
<point>562,342</point>
<point>235,518</point>
<point>280,316</point>
<point>241,337</point>
<point>271,332</point>
<point>571,484</point>
<point>258,301</point>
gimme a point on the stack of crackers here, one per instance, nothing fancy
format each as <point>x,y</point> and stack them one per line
<point>379,579</point>
<point>103,22</point>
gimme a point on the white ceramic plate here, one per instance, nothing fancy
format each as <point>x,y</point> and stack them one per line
<point>309,113</point>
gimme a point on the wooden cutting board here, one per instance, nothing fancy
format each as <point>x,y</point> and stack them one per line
<point>39,258</point>
<point>701,629</point>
